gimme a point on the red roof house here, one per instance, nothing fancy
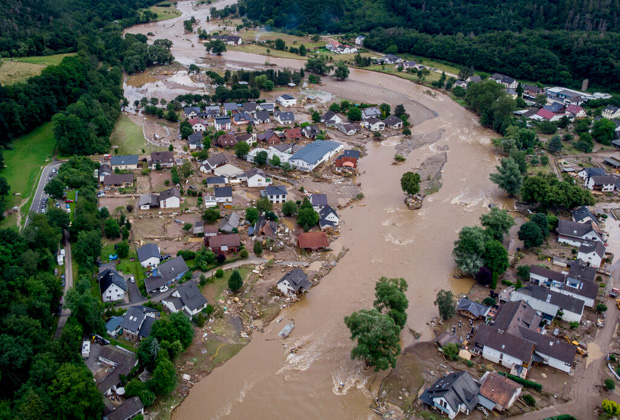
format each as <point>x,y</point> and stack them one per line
<point>312,241</point>
<point>545,114</point>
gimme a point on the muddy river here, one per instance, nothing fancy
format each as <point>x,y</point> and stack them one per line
<point>266,380</point>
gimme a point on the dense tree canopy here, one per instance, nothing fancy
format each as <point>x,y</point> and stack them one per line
<point>377,338</point>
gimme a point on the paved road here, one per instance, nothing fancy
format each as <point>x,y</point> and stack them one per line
<point>39,194</point>
<point>64,314</point>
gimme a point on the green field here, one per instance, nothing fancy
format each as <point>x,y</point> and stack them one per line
<point>23,68</point>
<point>165,13</point>
<point>129,138</point>
<point>23,166</point>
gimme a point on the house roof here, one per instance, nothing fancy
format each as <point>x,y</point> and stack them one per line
<point>516,314</point>
<point>216,180</point>
<point>545,272</point>
<point>230,222</point>
<point>134,317</point>
<point>318,199</point>
<point>113,323</point>
<point>565,302</point>
<point>293,132</point>
<point>219,241</point>
<point>149,199</point>
<point>129,408</point>
<point>222,120</point>
<point>162,157</point>
<point>373,120</point>
<point>501,340</point>
<point>588,247</point>
<point>171,269</point>
<point>223,192</point>
<point>297,279</point>
<point>124,160</point>
<point>244,137</point>
<point>217,160</point>
<point>282,147</point>
<point>550,346</point>
<point>230,106</point>
<point>265,227</point>
<point>125,361</point>
<point>476,309</point>
<point>262,115</point>
<point>574,229</point>
<point>145,328</point>
<point>116,179</point>
<point>286,96</point>
<point>554,107</point>
<point>457,388</point>
<point>579,271</point>
<point>446,338</point>
<point>502,78</point>
<point>275,190</point>
<point>392,120</point>
<point>574,109</point>
<point>546,114</point>
<point>285,116</point>
<point>604,179</point>
<point>190,295</point>
<point>228,170</point>
<point>105,168</point>
<point>109,277</point>
<point>249,106</point>
<point>582,213</point>
<point>171,192</point>
<point>310,130</point>
<point>148,251</point>
<point>325,211</point>
<point>226,140</point>
<point>498,388</point>
<point>351,153</point>
<point>312,240</point>
<point>315,151</point>
<point>328,116</point>
<point>242,116</point>
<point>371,111</point>
<point>254,171</point>
<point>195,138</point>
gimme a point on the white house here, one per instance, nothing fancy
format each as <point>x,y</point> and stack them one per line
<point>359,40</point>
<point>222,123</point>
<point>393,122</point>
<point>286,100</point>
<point>498,392</point>
<point>266,106</point>
<point>586,173</point>
<point>328,218</point>
<point>611,112</point>
<point>213,162</point>
<point>371,112</point>
<point>284,117</point>
<point>315,153</point>
<point>545,277</point>
<point>507,81</point>
<point>605,183</point>
<point>583,215</point>
<point>271,152</point>
<point>293,282</point>
<point>275,194</point>
<point>113,286</point>
<point>149,255</point>
<point>592,253</point>
<point>452,394</point>
<point>223,194</point>
<point>197,124</point>
<point>186,298</point>
<point>256,178</point>
<point>348,129</point>
<point>374,124</point>
<point>550,303</point>
<point>209,201</point>
<point>170,199</point>
<point>573,233</point>
<point>228,171</point>
<point>148,201</point>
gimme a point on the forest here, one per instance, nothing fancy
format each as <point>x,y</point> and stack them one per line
<point>560,42</point>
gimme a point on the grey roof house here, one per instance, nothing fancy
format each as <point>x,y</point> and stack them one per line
<point>472,309</point>
<point>186,298</point>
<point>453,394</point>
<point>294,281</point>
<point>133,324</point>
<point>166,273</point>
<point>112,285</point>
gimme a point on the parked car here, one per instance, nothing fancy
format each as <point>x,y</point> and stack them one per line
<point>68,200</point>
<point>164,289</point>
<point>132,280</point>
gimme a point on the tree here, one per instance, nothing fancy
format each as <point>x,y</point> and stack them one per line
<point>541,220</point>
<point>547,127</point>
<point>400,112</point>
<point>187,226</point>
<point>172,116</point>
<point>445,303</point>
<point>531,235</point>
<point>211,215</point>
<point>497,223</point>
<point>55,188</point>
<point>75,393</point>
<point>242,149</point>
<point>601,307</point>
<point>316,116</point>
<point>385,110</point>
<point>88,247</point>
<point>251,215</point>
<point>451,351</point>
<point>523,272</point>
<point>410,183</point>
<point>186,129</point>
<point>390,298</point>
<point>610,385</point>
<point>508,177</point>
<point>540,100</point>
<point>258,248</point>
<point>59,218</point>
<point>354,114</point>
<point>307,218</point>
<point>484,276</point>
<point>603,131</point>
<point>216,46</point>
<point>122,249</point>
<point>112,229</point>
<point>495,257</point>
<point>289,208</point>
<point>164,377</point>
<point>137,388</point>
<point>342,71</point>
<point>555,144</point>
<point>274,161</point>
<point>611,407</point>
<point>263,204</point>
<point>235,282</point>
<point>317,65</point>
<point>469,250</point>
<point>302,50</point>
<point>261,158</point>
<point>377,338</point>
<point>280,44</point>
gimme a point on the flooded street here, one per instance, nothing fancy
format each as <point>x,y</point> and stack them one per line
<point>384,238</point>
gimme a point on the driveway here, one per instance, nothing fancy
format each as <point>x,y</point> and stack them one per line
<point>134,292</point>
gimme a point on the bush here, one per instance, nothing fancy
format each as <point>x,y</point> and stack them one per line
<point>203,280</point>
<point>489,301</point>
<point>258,248</point>
<point>235,282</point>
<point>612,357</point>
<point>610,384</point>
<point>244,253</point>
<point>187,226</point>
<point>209,309</point>
<point>399,158</point>
<point>199,319</point>
<point>601,307</point>
<point>573,325</point>
<point>523,272</point>
<point>529,400</point>
<point>219,273</point>
<point>451,351</point>
<point>526,383</point>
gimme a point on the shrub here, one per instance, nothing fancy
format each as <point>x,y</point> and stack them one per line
<point>612,357</point>
<point>489,301</point>
<point>199,319</point>
<point>399,158</point>
<point>203,280</point>
<point>244,253</point>
<point>219,273</point>
<point>258,248</point>
<point>187,226</point>
<point>209,309</point>
<point>235,282</point>
<point>601,307</point>
<point>610,384</point>
<point>451,351</point>
<point>529,400</point>
<point>523,272</point>
<point>573,325</point>
<point>526,383</point>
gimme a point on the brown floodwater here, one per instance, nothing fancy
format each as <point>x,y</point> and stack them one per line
<point>384,238</point>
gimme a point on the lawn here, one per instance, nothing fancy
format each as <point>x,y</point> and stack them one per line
<point>125,265</point>
<point>221,284</point>
<point>21,69</point>
<point>129,138</point>
<point>23,166</point>
<point>165,13</point>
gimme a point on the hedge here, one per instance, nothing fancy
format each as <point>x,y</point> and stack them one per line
<point>561,417</point>
<point>524,382</point>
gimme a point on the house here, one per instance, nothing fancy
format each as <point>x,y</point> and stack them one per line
<point>446,338</point>
<point>579,283</point>
<point>576,111</point>
<point>199,228</point>
<point>359,40</point>
<point>393,122</point>
<point>137,322</point>
<point>248,138</point>
<point>130,408</point>
<point>605,183</point>
<point>118,180</point>
<point>285,117</point>
<point>282,148</point>
<point>104,170</point>
<point>555,107</point>
<point>249,107</point>
<point>223,244</point>
<point>371,112</point>
<point>261,117</point>
<point>507,81</point>
<point>286,100</point>
<point>119,362</point>
<point>194,141</point>
<point>293,134</point>
<point>310,131</point>
<point>328,218</point>
<point>148,201</point>
<point>312,155</point>
<point>267,106</point>
<point>406,65</point>
<point>312,241</point>
<point>587,173</point>
<point>583,215</point>
<point>113,326</point>
<point>611,112</point>
<point>216,181</point>
<point>472,310</point>
<point>208,200</point>
<point>573,233</point>
<point>256,178</point>
<point>331,118</point>
<point>213,111</point>
<point>229,171</point>
<point>390,59</point>
<point>166,273</point>
<point>293,282</point>
<point>197,124</point>
<point>614,163</point>
<point>213,162</point>
<point>349,129</point>
<point>149,255</point>
<point>275,194</point>
<point>591,253</point>
<point>223,194</point>
<point>170,199</point>
<point>544,114</point>
<point>186,298</point>
<point>242,118</point>
<point>318,201</point>
<point>473,79</point>
<point>230,223</point>
<point>374,124</point>
<point>530,92</point>
<point>226,141</point>
<point>128,162</point>
<point>550,303</point>
<point>268,137</point>
<point>545,277</point>
<point>455,393</point>
<point>113,286</point>
<point>163,159</point>
<point>497,392</point>
<point>210,230</point>
<point>222,123</point>
<point>461,84</point>
<point>343,162</point>
<point>230,108</point>
<point>229,39</point>
<point>191,111</point>
<point>264,228</point>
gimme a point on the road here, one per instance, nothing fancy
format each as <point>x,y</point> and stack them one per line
<point>39,194</point>
<point>64,314</point>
